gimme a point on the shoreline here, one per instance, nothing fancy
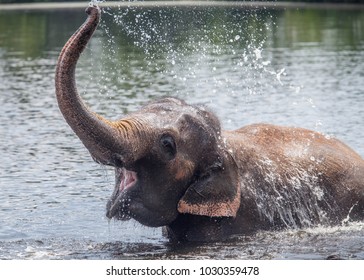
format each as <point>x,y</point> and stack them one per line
<point>180,3</point>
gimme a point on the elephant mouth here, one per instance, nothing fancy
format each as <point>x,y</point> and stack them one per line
<point>126,179</point>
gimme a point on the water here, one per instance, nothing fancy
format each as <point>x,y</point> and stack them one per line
<point>286,66</point>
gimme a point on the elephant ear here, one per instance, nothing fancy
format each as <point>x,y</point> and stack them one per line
<point>215,195</point>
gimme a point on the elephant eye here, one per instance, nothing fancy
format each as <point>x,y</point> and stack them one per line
<point>168,146</point>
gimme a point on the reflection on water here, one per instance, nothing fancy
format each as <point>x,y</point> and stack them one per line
<point>291,67</point>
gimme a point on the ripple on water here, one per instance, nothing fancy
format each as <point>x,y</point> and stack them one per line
<point>340,242</point>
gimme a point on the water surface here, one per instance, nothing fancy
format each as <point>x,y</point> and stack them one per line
<point>290,67</point>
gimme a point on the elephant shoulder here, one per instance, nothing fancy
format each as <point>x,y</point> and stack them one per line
<point>264,130</point>
<point>268,135</point>
<point>292,143</point>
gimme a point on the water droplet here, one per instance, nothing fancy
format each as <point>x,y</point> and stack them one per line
<point>258,54</point>
<point>279,75</point>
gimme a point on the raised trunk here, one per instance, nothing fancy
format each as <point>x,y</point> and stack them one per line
<point>99,136</point>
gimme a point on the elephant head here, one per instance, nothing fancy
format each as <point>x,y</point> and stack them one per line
<point>169,157</point>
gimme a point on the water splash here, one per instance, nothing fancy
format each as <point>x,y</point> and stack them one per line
<point>96,2</point>
<point>187,52</point>
<point>293,200</point>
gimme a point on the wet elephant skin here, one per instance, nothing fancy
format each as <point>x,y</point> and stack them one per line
<point>175,167</point>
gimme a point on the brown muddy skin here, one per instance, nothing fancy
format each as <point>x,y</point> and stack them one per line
<point>175,167</point>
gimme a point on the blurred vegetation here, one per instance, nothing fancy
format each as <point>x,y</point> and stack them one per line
<point>31,34</point>
<point>35,30</point>
<point>34,1</point>
<point>308,1</point>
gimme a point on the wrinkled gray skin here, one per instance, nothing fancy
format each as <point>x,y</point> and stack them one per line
<point>175,167</point>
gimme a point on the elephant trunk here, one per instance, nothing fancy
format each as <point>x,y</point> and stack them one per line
<point>103,138</point>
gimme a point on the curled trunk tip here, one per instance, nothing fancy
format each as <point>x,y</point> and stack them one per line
<point>93,9</point>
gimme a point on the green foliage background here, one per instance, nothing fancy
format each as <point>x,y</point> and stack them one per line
<point>311,1</point>
<point>35,1</point>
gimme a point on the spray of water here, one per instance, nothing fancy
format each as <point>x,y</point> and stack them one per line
<point>185,52</point>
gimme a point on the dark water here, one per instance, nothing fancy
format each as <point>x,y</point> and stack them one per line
<point>291,67</point>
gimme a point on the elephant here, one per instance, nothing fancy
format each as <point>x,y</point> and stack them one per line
<point>176,168</point>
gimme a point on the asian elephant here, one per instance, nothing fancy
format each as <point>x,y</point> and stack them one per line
<point>176,168</point>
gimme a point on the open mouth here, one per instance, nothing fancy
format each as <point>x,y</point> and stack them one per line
<point>126,179</point>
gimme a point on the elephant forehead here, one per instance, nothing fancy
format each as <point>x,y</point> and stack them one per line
<point>172,107</point>
<point>165,104</point>
<point>174,114</point>
<point>169,118</point>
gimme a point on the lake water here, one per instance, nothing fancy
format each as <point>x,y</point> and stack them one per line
<point>296,67</point>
